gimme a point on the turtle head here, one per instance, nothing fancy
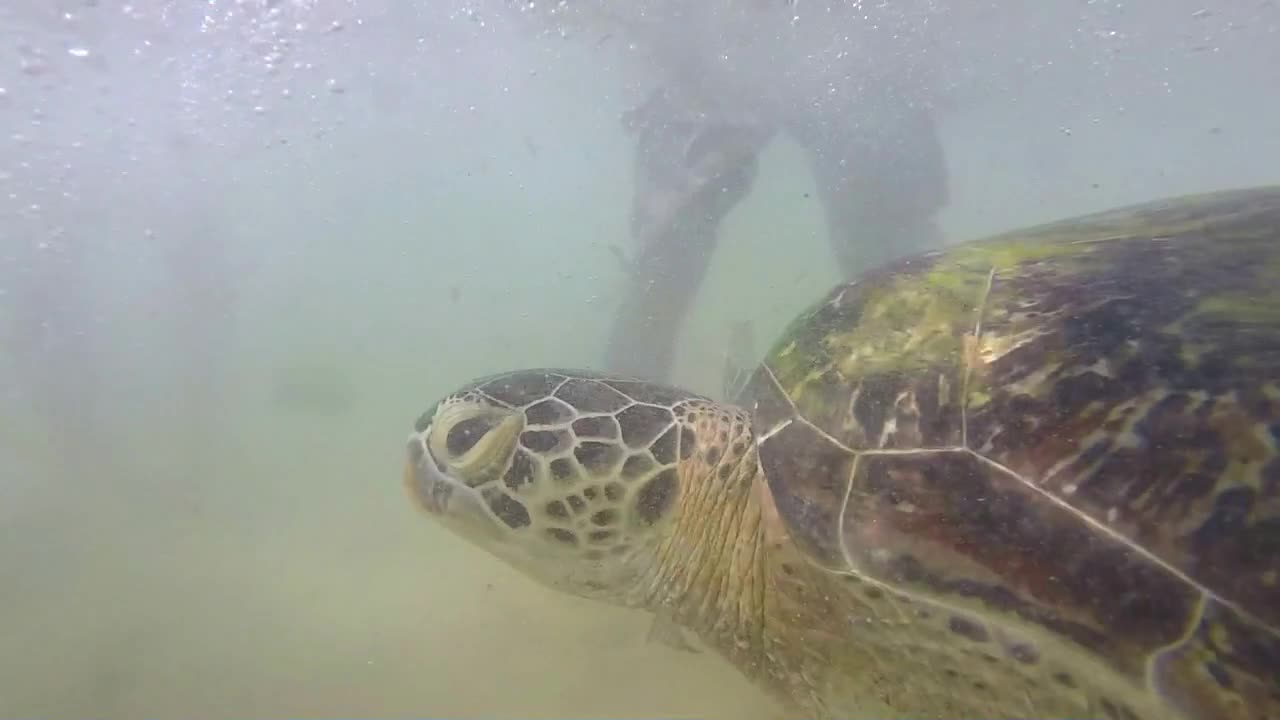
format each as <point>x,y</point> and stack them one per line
<point>573,478</point>
<point>569,476</point>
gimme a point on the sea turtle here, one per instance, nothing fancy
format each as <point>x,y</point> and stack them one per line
<point>1033,475</point>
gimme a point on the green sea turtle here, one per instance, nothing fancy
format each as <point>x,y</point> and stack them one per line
<point>1031,476</point>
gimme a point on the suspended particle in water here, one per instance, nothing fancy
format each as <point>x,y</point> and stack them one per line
<point>32,65</point>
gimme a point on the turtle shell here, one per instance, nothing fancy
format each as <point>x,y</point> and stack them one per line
<point>1074,426</point>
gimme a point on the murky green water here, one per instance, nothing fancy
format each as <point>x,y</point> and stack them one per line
<point>214,527</point>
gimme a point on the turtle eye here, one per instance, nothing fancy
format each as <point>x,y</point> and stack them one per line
<point>464,436</point>
<point>474,441</point>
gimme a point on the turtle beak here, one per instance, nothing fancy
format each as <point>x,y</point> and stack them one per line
<point>424,481</point>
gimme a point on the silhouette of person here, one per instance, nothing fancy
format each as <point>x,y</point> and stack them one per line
<point>853,93</point>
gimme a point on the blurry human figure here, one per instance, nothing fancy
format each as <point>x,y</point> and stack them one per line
<point>880,192</point>
<point>868,131</point>
<point>692,166</point>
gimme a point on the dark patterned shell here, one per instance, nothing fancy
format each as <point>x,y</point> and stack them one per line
<point>1075,424</point>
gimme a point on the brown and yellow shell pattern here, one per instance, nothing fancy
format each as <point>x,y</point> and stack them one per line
<point>1074,427</point>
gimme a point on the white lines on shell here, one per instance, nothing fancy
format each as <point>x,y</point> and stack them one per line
<point>1114,535</point>
<point>914,451</point>
<point>564,381</point>
<point>830,438</point>
<point>844,508</point>
<point>968,364</point>
<point>797,416</point>
<point>496,401</point>
<point>782,392</point>
<point>762,437</point>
